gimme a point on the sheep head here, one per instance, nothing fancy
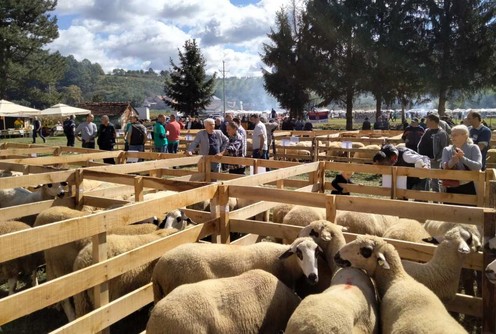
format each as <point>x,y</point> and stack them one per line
<point>491,272</point>
<point>458,237</point>
<point>307,252</point>
<point>176,219</point>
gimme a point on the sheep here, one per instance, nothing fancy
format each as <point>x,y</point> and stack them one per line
<point>441,273</point>
<point>280,211</point>
<point>194,262</point>
<point>407,230</point>
<point>330,239</point>
<point>491,272</point>
<point>176,219</point>
<point>128,281</point>
<point>436,227</point>
<point>407,306</point>
<point>26,264</point>
<point>349,305</point>
<point>18,196</point>
<point>253,302</point>
<point>303,215</point>
<point>365,223</point>
<point>367,152</point>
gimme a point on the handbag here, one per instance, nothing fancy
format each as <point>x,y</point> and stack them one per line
<point>452,183</point>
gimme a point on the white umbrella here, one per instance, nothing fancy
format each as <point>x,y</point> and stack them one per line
<point>11,109</point>
<point>64,110</point>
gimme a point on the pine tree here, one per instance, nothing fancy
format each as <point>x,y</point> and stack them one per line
<point>287,80</point>
<point>186,86</point>
<point>25,28</point>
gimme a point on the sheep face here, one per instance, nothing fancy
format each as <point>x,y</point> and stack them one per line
<point>491,272</point>
<point>460,238</point>
<point>492,244</point>
<point>54,189</point>
<point>306,251</point>
<point>322,230</point>
<point>364,253</point>
<point>176,219</point>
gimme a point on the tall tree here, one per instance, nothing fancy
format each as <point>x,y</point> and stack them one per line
<point>25,28</point>
<point>287,78</point>
<point>336,38</point>
<point>463,45</point>
<point>187,87</point>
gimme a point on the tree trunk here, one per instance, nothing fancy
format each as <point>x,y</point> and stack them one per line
<point>441,108</point>
<point>378,105</point>
<point>349,109</point>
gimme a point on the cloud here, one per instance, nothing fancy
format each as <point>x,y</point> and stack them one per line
<point>132,34</point>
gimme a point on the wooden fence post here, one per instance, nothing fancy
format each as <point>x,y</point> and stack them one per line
<point>331,208</point>
<point>488,289</point>
<point>223,198</point>
<point>138,189</point>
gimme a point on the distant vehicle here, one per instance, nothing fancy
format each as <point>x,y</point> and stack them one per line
<point>319,115</point>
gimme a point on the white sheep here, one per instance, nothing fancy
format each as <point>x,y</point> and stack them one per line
<point>303,215</point>
<point>128,281</point>
<point>280,211</point>
<point>441,273</point>
<point>436,228</point>
<point>330,239</point>
<point>253,302</point>
<point>367,152</point>
<point>193,262</point>
<point>407,306</point>
<point>27,264</point>
<point>18,196</point>
<point>349,305</point>
<point>407,230</point>
<point>491,272</point>
<point>365,223</point>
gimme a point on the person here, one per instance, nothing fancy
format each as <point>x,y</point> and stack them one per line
<point>412,134</point>
<point>366,124</point>
<point>242,133</point>
<point>273,114</point>
<point>234,148</point>
<point>196,124</point>
<point>259,140</point>
<point>432,143</point>
<point>218,122</point>
<point>270,127</point>
<point>480,134</point>
<point>37,130</point>
<point>343,177</point>
<point>88,132</point>
<point>106,137</point>
<point>223,125</point>
<point>422,123</point>
<point>286,124</point>
<point>18,124</point>
<point>173,129</point>
<point>210,142</point>
<point>308,126</point>
<point>403,157</point>
<point>160,135</point>
<point>463,154</point>
<point>69,127</point>
<point>136,135</point>
<point>299,124</point>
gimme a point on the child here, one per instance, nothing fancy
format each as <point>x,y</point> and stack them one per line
<point>342,177</point>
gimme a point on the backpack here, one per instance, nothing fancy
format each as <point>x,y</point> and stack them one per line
<point>67,126</point>
<point>137,135</point>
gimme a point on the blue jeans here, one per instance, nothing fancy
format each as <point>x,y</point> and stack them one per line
<point>260,154</point>
<point>139,148</point>
<point>161,149</point>
<point>172,146</point>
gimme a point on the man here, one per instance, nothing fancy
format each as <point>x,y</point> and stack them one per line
<point>69,127</point>
<point>37,130</point>
<point>106,137</point>
<point>210,142</point>
<point>259,141</point>
<point>431,144</point>
<point>136,135</point>
<point>403,157</point>
<point>234,148</point>
<point>412,134</point>
<point>242,133</point>
<point>270,128</point>
<point>160,135</point>
<point>366,124</point>
<point>223,126</point>
<point>480,134</point>
<point>88,132</point>
<point>173,129</point>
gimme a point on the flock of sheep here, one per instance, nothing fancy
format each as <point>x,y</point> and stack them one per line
<point>316,283</point>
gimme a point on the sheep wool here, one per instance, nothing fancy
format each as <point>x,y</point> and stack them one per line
<point>350,305</point>
<point>407,230</point>
<point>365,223</point>
<point>253,302</point>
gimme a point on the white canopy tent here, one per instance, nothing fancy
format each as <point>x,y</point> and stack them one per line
<point>10,109</point>
<point>64,110</point>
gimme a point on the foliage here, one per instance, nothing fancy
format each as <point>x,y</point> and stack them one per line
<point>287,78</point>
<point>84,75</point>
<point>25,68</point>
<point>187,87</point>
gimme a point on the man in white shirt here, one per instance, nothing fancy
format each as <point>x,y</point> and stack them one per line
<point>259,138</point>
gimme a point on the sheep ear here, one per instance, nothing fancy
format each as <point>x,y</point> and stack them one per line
<point>189,221</point>
<point>381,260</point>
<point>286,254</point>
<point>38,186</point>
<point>325,235</point>
<point>463,247</point>
<point>431,240</point>
<point>344,228</point>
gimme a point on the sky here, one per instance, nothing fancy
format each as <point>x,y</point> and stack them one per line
<point>142,34</point>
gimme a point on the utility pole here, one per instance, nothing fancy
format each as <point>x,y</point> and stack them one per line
<point>224,88</point>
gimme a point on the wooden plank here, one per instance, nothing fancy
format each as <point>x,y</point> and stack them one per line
<point>148,165</point>
<point>110,313</point>
<point>488,289</point>
<point>29,209</point>
<point>40,238</point>
<point>362,189</point>
<point>282,196</point>
<point>438,197</point>
<point>28,151</point>
<point>71,284</point>
<point>36,179</point>
<point>64,159</point>
<point>246,240</point>
<point>102,202</point>
<point>465,304</point>
<point>285,232</point>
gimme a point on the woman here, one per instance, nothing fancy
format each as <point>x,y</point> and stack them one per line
<point>462,155</point>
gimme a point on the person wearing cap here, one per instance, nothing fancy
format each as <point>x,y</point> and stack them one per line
<point>432,143</point>
<point>480,134</point>
<point>412,134</point>
<point>259,140</point>
<point>403,157</point>
<point>366,124</point>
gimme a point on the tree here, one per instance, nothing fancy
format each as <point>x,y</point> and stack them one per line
<point>287,78</point>
<point>187,87</point>
<point>25,28</point>
<point>462,41</point>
